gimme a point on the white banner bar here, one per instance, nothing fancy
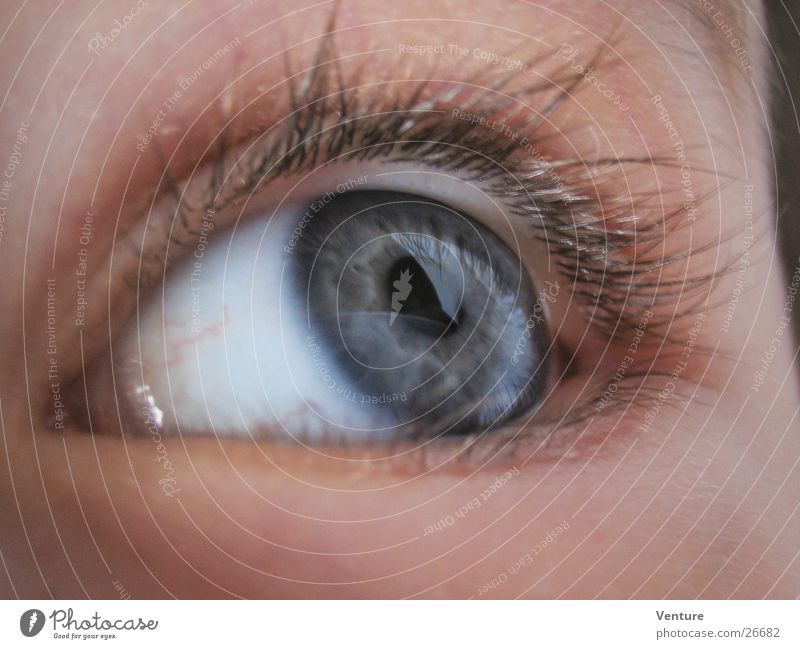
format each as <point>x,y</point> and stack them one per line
<point>404,624</point>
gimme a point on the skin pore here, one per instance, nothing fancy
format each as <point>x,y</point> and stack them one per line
<point>687,487</point>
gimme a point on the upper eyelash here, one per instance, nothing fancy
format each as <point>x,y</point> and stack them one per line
<point>589,235</point>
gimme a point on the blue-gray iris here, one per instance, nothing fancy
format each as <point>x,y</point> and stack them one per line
<point>421,311</point>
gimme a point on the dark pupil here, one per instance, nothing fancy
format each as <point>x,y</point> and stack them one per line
<point>413,296</point>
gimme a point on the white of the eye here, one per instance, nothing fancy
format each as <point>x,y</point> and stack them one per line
<point>225,350</point>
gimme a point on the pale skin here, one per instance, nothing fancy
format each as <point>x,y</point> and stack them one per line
<point>702,504</point>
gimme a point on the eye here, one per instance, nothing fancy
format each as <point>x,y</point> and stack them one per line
<point>359,316</point>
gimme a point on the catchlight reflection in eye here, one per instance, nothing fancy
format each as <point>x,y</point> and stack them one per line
<point>391,316</point>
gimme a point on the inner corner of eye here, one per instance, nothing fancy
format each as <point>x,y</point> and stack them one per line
<point>365,316</point>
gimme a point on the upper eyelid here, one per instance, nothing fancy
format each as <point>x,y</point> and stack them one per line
<point>556,195</point>
<point>175,225</point>
<point>285,147</point>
